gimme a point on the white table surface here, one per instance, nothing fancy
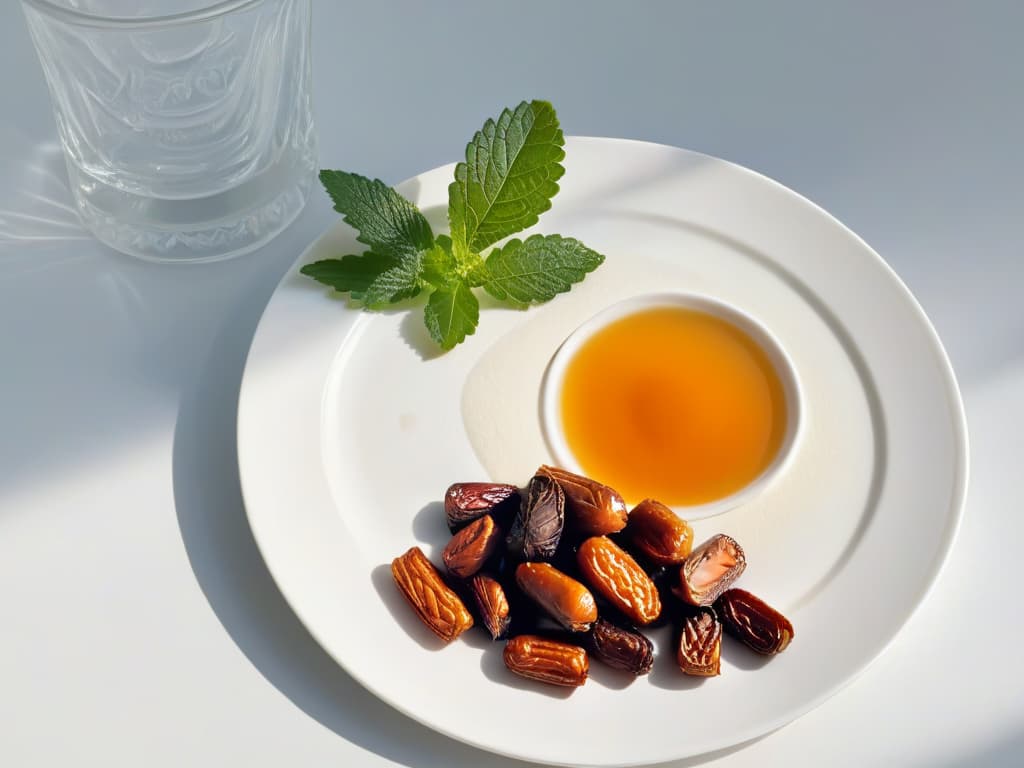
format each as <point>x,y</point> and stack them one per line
<point>139,625</point>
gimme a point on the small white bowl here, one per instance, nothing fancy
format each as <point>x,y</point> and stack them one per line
<point>551,411</point>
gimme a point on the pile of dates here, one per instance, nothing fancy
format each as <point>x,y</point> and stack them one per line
<point>564,571</point>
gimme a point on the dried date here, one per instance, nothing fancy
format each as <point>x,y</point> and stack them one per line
<point>619,579</point>
<point>465,502</point>
<point>491,603</point>
<point>710,570</point>
<point>658,533</point>
<point>434,602</point>
<point>621,648</point>
<point>592,508</point>
<point>563,598</point>
<point>700,644</point>
<point>548,661</point>
<point>538,526</point>
<point>753,622</point>
<point>471,547</point>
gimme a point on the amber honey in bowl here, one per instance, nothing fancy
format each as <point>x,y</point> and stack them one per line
<point>679,398</point>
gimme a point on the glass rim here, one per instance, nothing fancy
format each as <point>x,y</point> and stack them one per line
<point>89,19</point>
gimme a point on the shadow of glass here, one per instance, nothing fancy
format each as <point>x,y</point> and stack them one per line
<point>38,208</point>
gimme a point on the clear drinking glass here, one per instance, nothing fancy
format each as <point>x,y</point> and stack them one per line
<point>187,126</point>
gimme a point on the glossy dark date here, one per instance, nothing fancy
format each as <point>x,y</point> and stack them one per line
<point>753,622</point>
<point>538,526</point>
<point>465,502</point>
<point>621,648</point>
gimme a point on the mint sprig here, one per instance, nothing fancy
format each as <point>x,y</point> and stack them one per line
<point>507,181</point>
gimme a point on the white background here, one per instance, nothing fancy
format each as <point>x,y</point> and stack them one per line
<point>139,625</point>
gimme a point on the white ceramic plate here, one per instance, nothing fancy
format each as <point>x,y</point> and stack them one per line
<point>350,428</point>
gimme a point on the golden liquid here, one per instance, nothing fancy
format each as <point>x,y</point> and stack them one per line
<point>673,404</point>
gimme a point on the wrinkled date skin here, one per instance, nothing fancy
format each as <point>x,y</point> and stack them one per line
<point>664,579</point>
<point>491,603</point>
<point>658,533</point>
<point>621,648</point>
<point>436,605</point>
<point>700,644</point>
<point>566,600</point>
<point>465,502</point>
<point>619,579</point>
<point>753,622</point>
<point>593,509</point>
<point>471,547</point>
<point>538,526</point>
<point>548,661</point>
<point>710,570</point>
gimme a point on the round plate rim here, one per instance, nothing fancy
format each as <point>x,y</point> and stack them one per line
<point>953,520</point>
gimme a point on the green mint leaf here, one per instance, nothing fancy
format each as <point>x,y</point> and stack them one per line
<point>350,274</point>
<point>401,281</point>
<point>539,268</point>
<point>509,177</point>
<point>372,279</point>
<point>451,314</point>
<point>386,221</point>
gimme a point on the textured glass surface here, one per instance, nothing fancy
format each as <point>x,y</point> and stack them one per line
<point>184,141</point>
